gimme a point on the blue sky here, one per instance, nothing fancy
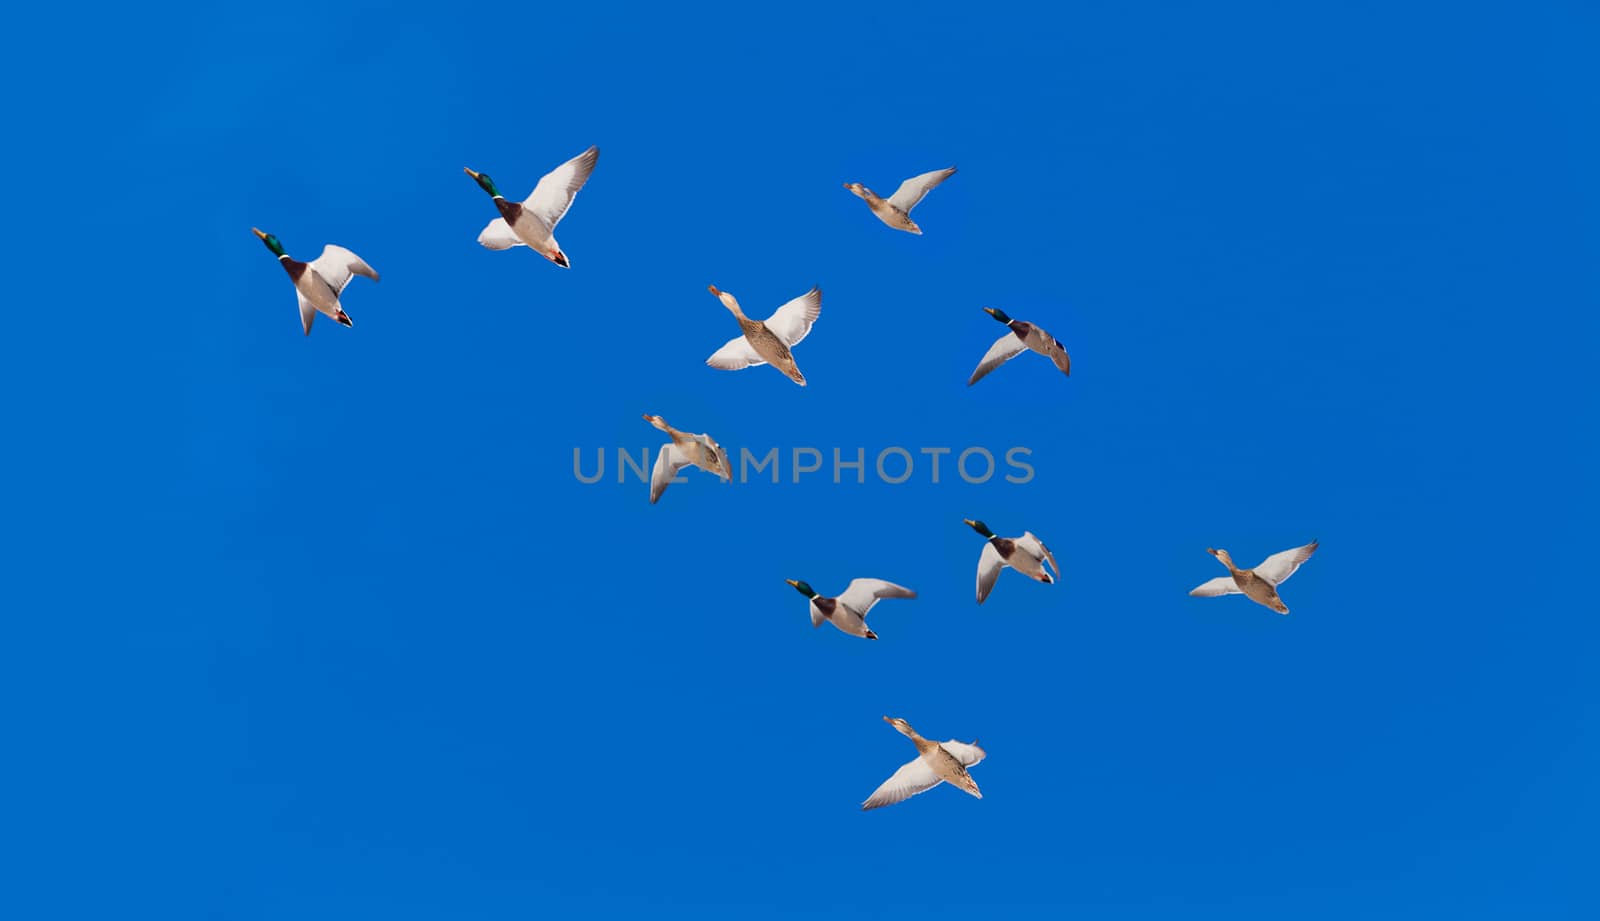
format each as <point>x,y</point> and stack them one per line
<point>325,627</point>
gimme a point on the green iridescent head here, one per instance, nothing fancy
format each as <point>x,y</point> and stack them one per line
<point>802,588</point>
<point>484,182</point>
<point>998,314</point>
<point>271,241</point>
<point>979,526</point>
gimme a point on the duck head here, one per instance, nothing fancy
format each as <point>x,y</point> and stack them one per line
<point>998,314</point>
<point>1222,556</point>
<point>802,588</point>
<point>901,725</point>
<point>271,241</point>
<point>484,182</point>
<point>856,189</point>
<point>978,526</point>
<point>727,300</point>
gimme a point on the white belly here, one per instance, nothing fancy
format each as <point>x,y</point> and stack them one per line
<point>1022,561</point>
<point>316,291</point>
<point>532,232</point>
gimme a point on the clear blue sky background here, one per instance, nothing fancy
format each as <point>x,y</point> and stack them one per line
<point>325,628</point>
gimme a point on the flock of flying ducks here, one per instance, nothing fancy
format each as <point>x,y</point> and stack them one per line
<point>320,283</point>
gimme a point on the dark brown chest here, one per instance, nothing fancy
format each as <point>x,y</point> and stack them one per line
<point>510,210</point>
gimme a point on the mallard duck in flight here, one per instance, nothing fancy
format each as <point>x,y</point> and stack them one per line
<point>848,612</point>
<point>1259,584</point>
<point>896,209</point>
<point>1026,554</point>
<point>1022,337</point>
<point>532,223</point>
<point>319,283</point>
<point>684,449</point>
<point>936,763</point>
<point>769,341</point>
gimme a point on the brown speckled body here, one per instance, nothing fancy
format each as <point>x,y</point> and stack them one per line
<point>771,348</point>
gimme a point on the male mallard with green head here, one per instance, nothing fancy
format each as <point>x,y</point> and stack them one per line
<point>684,449</point>
<point>319,283</point>
<point>769,341</point>
<point>1026,554</point>
<point>936,763</point>
<point>1259,584</point>
<point>896,209</point>
<point>1022,337</point>
<point>532,223</point>
<point>848,612</point>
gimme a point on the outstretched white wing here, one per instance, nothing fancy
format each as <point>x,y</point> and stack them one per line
<point>308,312</point>
<point>911,191</point>
<point>669,460</point>
<point>989,566</point>
<point>968,753</point>
<point>1221,585</point>
<point>1004,349</point>
<point>1030,543</point>
<point>1278,567</point>
<point>499,235</point>
<point>337,264</point>
<point>737,354</point>
<point>916,776</point>
<point>554,194</point>
<point>793,320</point>
<point>861,594</point>
<point>912,778</point>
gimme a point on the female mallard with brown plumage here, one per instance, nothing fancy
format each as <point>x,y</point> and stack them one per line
<point>684,449</point>
<point>896,209</point>
<point>768,342</point>
<point>936,763</point>
<point>319,283</point>
<point>1259,584</point>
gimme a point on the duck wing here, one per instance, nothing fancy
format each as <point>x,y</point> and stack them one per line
<point>336,265</point>
<point>556,189</point>
<point>308,311</point>
<point>499,235</point>
<point>1050,347</point>
<point>912,190</point>
<point>669,460</point>
<point>861,594</point>
<point>989,565</point>
<point>1004,349</point>
<point>1030,543</point>
<point>913,777</point>
<point>968,753</point>
<point>1221,585</point>
<point>737,354</point>
<point>1278,567</point>
<point>792,322</point>
<point>713,454</point>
